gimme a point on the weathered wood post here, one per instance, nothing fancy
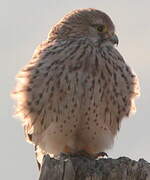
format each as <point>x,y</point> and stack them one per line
<point>83,168</point>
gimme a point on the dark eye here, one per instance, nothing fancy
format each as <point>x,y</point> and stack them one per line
<point>101,28</point>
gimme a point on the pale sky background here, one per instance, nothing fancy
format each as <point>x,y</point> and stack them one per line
<point>23,25</point>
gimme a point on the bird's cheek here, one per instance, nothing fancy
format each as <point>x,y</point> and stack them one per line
<point>105,36</point>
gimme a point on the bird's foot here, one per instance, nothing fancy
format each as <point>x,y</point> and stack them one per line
<point>101,155</point>
<point>80,154</point>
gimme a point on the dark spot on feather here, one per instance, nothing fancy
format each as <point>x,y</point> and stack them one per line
<point>69,88</point>
<point>42,121</point>
<point>75,105</point>
<point>108,70</point>
<point>29,103</point>
<point>118,120</point>
<point>88,119</point>
<point>61,126</point>
<point>76,120</point>
<point>102,75</point>
<point>37,71</point>
<point>29,136</point>
<point>40,64</point>
<point>37,102</point>
<point>40,95</point>
<point>86,113</point>
<point>45,74</point>
<point>52,89</point>
<point>106,110</point>
<point>66,106</point>
<point>29,89</point>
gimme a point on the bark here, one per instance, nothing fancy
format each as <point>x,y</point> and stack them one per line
<point>83,168</point>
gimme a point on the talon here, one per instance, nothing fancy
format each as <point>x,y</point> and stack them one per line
<point>101,155</point>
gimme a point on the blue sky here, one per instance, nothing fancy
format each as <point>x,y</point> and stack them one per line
<point>24,24</point>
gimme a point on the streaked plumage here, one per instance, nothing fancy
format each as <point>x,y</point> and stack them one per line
<point>77,88</point>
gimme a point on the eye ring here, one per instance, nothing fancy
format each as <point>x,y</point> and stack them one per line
<point>101,28</point>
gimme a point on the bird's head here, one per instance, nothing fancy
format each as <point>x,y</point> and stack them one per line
<point>87,23</point>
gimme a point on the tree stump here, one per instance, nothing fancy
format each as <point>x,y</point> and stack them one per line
<point>83,168</point>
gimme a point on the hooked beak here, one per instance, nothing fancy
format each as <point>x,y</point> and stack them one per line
<point>114,39</point>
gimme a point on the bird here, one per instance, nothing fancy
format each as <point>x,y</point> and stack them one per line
<point>77,88</point>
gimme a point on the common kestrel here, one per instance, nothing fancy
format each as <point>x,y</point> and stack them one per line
<point>77,88</point>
